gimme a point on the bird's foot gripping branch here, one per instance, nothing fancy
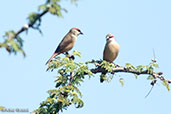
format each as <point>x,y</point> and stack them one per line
<point>71,74</point>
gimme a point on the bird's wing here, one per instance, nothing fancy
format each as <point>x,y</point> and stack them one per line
<point>64,43</point>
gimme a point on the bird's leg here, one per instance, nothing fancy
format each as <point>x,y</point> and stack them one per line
<point>69,56</point>
<point>72,57</point>
<point>66,53</point>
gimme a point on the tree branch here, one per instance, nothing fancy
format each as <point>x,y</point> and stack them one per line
<point>25,27</point>
<point>155,75</point>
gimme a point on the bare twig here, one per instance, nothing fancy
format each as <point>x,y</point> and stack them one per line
<point>149,92</point>
<point>154,55</point>
<point>71,76</point>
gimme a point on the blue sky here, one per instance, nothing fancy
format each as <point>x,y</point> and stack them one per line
<point>138,26</point>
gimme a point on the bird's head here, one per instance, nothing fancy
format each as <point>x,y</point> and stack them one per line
<point>76,31</point>
<point>109,37</point>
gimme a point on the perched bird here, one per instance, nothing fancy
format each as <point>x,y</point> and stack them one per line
<point>111,50</point>
<point>67,42</point>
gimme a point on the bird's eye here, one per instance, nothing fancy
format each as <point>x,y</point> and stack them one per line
<point>111,36</point>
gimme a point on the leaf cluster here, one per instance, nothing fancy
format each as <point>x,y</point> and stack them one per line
<point>71,74</point>
<point>148,69</point>
<point>12,43</point>
<point>66,92</point>
<point>141,68</point>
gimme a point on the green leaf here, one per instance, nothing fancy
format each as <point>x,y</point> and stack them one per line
<point>74,93</point>
<point>129,66</point>
<point>165,83</point>
<point>150,78</point>
<point>77,53</point>
<point>150,69</point>
<point>121,81</point>
<point>108,66</point>
<point>43,7</point>
<point>136,76</point>
<point>140,68</point>
<point>78,91</point>
<point>32,17</point>
<point>155,65</point>
<point>12,43</point>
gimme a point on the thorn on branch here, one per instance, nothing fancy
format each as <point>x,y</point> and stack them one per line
<point>154,60</point>
<point>162,78</point>
<point>169,81</point>
<point>153,82</point>
<point>160,73</point>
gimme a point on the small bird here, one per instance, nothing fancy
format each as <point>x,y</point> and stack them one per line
<point>67,42</point>
<point>111,50</point>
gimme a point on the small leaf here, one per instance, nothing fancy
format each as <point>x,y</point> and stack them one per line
<point>74,93</point>
<point>155,65</point>
<point>43,7</point>
<point>121,81</point>
<point>129,66</point>
<point>150,78</point>
<point>165,83</point>
<point>136,76</point>
<point>77,53</point>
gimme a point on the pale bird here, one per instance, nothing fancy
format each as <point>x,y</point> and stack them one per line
<point>111,50</point>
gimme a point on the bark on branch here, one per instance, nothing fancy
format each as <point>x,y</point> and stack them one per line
<point>25,27</point>
<point>156,75</point>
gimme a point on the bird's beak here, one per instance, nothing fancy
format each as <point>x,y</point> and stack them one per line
<point>81,33</point>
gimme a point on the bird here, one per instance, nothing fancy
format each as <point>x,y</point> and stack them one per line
<point>67,42</point>
<point>111,50</point>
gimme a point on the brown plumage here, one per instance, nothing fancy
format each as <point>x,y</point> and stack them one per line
<point>67,42</point>
<point>111,50</point>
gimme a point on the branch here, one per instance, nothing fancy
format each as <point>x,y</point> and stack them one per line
<point>125,70</point>
<point>25,27</point>
<point>13,43</point>
<point>71,74</point>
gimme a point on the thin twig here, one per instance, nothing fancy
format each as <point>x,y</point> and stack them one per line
<point>25,27</point>
<point>149,92</point>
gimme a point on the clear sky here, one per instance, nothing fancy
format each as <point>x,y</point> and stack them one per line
<point>138,26</point>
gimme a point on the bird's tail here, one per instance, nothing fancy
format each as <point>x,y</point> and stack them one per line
<point>55,54</point>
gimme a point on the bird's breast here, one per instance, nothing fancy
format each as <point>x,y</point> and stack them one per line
<point>111,51</point>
